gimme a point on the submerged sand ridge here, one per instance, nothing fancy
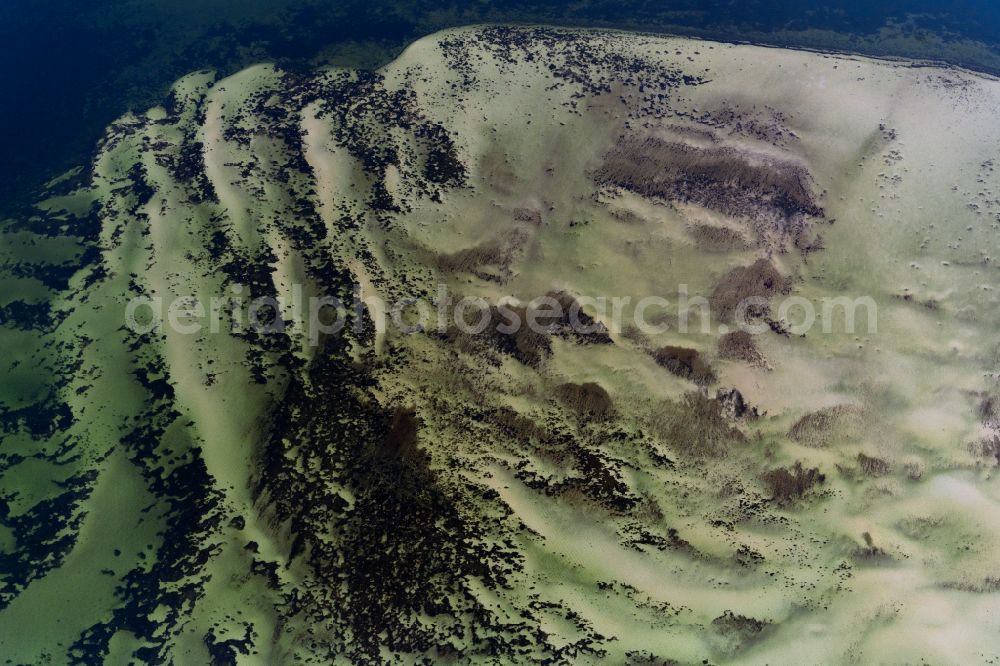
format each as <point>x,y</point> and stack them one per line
<point>619,496</point>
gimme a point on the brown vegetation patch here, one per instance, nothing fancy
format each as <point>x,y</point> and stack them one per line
<point>573,322</point>
<point>528,215</point>
<point>516,425</point>
<point>685,363</point>
<point>489,260</point>
<point>627,217</point>
<point>920,527</point>
<point>987,447</point>
<point>731,180</point>
<point>817,429</point>
<point>521,342</point>
<point>988,411</point>
<point>740,346</point>
<point>589,400</point>
<point>697,425</point>
<point>987,585</point>
<point>598,479</point>
<point>787,484</point>
<point>671,541</point>
<point>872,466</point>
<point>735,406</point>
<point>632,333</point>
<point>760,279</point>
<point>710,238</point>
<point>509,332</point>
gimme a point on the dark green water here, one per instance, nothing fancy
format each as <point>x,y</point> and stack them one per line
<point>71,67</point>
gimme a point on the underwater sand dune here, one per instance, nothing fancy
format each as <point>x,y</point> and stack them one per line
<point>386,493</point>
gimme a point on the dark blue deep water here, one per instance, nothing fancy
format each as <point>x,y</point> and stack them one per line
<point>69,67</point>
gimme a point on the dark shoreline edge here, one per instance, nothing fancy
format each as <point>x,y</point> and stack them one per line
<point>972,68</point>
